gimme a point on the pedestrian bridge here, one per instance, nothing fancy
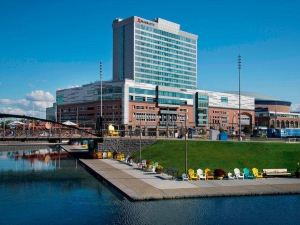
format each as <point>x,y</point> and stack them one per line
<point>30,128</point>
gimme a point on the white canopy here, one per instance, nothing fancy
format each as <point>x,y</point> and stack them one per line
<point>16,123</point>
<point>69,123</point>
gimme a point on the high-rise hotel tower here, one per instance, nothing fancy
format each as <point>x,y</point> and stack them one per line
<point>154,52</point>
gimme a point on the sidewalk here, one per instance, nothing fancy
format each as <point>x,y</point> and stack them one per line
<point>138,185</point>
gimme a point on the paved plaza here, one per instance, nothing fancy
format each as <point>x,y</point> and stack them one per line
<point>139,185</point>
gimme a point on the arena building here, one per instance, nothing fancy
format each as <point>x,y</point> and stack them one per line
<point>274,113</point>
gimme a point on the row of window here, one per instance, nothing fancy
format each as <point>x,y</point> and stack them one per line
<point>168,101</point>
<point>160,58</point>
<point>154,82</point>
<point>162,53</point>
<point>175,94</point>
<point>121,35</point>
<point>202,111</point>
<point>145,116</point>
<point>154,46</point>
<point>109,107</point>
<point>157,62</point>
<point>167,34</point>
<point>202,97</point>
<point>284,115</point>
<point>158,76</point>
<point>287,124</point>
<point>202,104</point>
<point>112,96</point>
<point>109,90</point>
<point>168,70</point>
<point>140,107</point>
<point>141,99</point>
<point>220,112</point>
<point>167,44</point>
<point>141,91</point>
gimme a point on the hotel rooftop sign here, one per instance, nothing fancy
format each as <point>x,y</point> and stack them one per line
<point>139,20</point>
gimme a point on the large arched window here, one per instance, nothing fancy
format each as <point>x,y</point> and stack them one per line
<point>287,124</point>
<point>292,124</point>
<point>282,124</point>
<point>272,124</point>
<point>278,124</point>
<point>296,124</point>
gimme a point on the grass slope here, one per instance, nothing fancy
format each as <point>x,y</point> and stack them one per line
<point>225,155</point>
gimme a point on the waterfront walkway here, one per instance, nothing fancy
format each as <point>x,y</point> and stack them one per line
<point>138,185</point>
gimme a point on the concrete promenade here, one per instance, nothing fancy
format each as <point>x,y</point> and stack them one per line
<point>138,185</point>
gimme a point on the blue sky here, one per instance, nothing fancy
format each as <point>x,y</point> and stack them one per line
<point>46,45</point>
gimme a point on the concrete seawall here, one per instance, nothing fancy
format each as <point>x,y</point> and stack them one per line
<point>126,145</point>
<point>139,186</point>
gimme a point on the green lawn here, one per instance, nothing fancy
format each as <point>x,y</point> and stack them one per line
<point>225,155</point>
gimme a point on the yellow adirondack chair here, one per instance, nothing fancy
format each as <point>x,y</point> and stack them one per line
<point>256,173</point>
<point>208,174</point>
<point>192,175</point>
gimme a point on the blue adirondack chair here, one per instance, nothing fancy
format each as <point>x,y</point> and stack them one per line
<point>247,174</point>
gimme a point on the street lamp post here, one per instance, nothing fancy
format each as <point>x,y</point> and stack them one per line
<point>240,125</point>
<point>186,145</point>
<point>101,99</point>
<point>140,139</point>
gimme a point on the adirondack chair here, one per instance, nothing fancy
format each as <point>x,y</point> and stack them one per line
<point>247,174</point>
<point>256,173</point>
<point>201,175</point>
<point>230,176</point>
<point>208,174</point>
<point>185,177</point>
<point>237,174</point>
<point>192,175</point>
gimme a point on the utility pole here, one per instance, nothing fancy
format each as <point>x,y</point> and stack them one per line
<point>101,99</point>
<point>168,123</point>
<point>275,123</point>
<point>140,138</point>
<point>101,86</point>
<point>239,68</point>
<point>186,146</point>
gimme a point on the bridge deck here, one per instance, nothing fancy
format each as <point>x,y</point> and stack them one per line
<point>137,185</point>
<point>74,148</point>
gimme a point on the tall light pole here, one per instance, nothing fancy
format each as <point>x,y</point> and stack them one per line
<point>101,86</point>
<point>186,146</point>
<point>239,68</point>
<point>100,122</point>
<point>140,138</point>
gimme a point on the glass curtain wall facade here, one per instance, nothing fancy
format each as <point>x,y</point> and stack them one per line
<point>201,109</point>
<point>162,54</point>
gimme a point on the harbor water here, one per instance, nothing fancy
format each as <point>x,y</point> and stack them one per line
<point>49,188</point>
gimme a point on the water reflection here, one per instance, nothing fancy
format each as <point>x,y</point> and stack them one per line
<point>34,190</point>
<point>42,159</point>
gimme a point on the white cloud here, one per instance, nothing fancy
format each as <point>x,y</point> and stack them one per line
<point>296,107</point>
<point>34,103</point>
<point>15,102</point>
<point>10,110</point>
<point>40,95</point>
